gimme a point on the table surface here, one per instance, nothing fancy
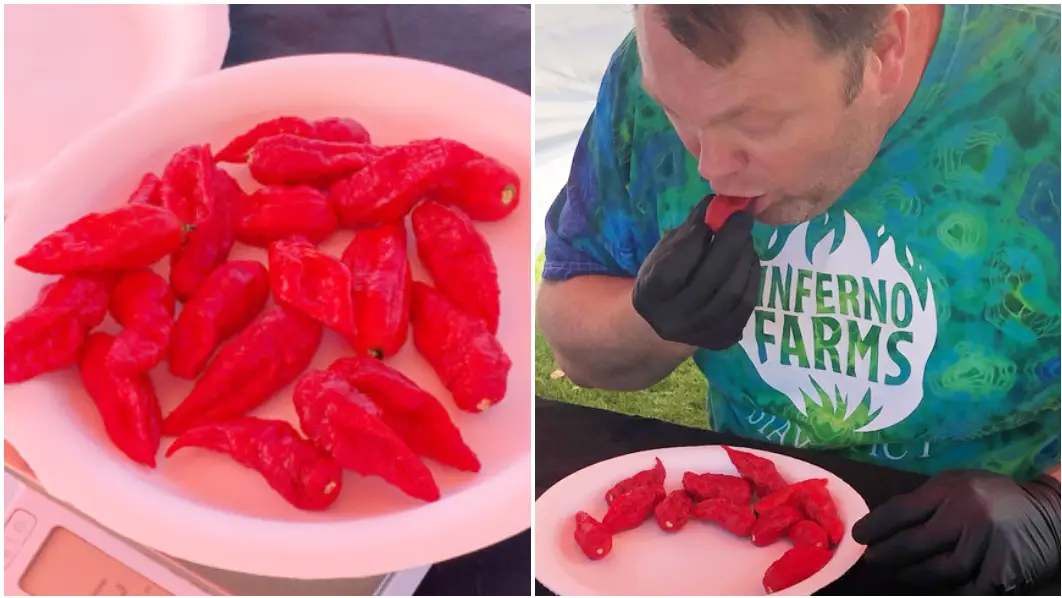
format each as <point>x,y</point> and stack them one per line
<point>569,438</point>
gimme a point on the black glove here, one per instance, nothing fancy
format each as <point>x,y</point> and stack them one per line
<point>697,288</point>
<point>974,532</point>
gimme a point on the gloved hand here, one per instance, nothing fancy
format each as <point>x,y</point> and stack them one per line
<point>975,532</point>
<point>698,288</point>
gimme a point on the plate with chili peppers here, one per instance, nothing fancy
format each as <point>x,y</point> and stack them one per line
<point>699,520</point>
<point>271,324</point>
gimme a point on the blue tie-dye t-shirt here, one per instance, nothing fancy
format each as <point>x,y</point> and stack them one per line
<point>916,322</point>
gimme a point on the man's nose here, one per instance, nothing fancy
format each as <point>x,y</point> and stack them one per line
<point>719,158</point>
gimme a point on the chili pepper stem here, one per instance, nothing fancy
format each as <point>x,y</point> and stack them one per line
<point>508,194</point>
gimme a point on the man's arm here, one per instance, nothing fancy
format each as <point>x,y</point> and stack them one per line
<point>597,337</point>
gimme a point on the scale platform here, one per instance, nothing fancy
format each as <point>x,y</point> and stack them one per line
<point>52,549</point>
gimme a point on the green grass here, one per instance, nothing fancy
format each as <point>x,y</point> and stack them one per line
<point>679,398</point>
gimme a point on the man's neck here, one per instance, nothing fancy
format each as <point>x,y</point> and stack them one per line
<point>926,20</point>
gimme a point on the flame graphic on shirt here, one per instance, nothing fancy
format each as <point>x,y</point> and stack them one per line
<point>843,327</point>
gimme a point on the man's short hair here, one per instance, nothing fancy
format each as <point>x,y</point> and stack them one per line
<point>715,32</point>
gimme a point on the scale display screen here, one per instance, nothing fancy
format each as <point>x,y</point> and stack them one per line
<point>94,573</point>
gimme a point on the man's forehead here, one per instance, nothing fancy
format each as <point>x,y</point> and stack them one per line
<point>673,74</point>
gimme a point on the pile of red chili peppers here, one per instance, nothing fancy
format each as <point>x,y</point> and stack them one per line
<point>757,504</point>
<point>212,321</point>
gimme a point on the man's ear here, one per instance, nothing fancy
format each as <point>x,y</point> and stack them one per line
<point>890,48</point>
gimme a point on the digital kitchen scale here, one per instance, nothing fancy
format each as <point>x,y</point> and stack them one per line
<point>52,549</point>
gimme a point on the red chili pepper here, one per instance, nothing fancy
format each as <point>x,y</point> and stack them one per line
<point>484,189</point>
<point>143,304</point>
<point>263,358</point>
<point>721,208</point>
<point>292,160</point>
<point>735,518</point>
<point>415,415</point>
<point>340,129</point>
<point>674,511</point>
<point>227,300</point>
<point>703,486</point>
<point>312,282</point>
<point>387,189</point>
<point>50,335</point>
<point>148,191</point>
<point>771,526</point>
<point>630,510</point>
<point>209,196</point>
<point>816,501</point>
<point>797,564</point>
<point>348,426</point>
<point>276,213</point>
<point>786,496</point>
<point>459,260</point>
<point>289,463</point>
<point>808,533</point>
<point>592,536</point>
<point>236,150</point>
<point>126,402</point>
<point>654,476</point>
<point>132,236</point>
<point>383,289</point>
<point>187,184</point>
<point>468,359</point>
<point>759,472</point>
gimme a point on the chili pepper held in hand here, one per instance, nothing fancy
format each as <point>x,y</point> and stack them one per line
<point>771,526</point>
<point>760,472</point>
<point>721,208</point>
<point>735,518</point>
<point>592,536</point>
<point>147,191</point>
<point>340,129</point>
<point>415,415</point>
<point>382,288</point>
<point>387,189</point>
<point>208,245</point>
<point>630,510</point>
<point>808,533</point>
<point>126,402</point>
<point>674,511</point>
<point>468,359</point>
<point>703,486</point>
<point>797,564</point>
<point>227,300</point>
<point>51,334</point>
<point>484,189</point>
<point>459,261</point>
<point>289,463</point>
<point>654,476</point>
<point>292,160</point>
<point>143,304</point>
<point>788,496</point>
<point>815,500</point>
<point>275,213</point>
<point>263,358</point>
<point>348,426</point>
<point>132,236</point>
<point>313,283</point>
<point>236,150</point>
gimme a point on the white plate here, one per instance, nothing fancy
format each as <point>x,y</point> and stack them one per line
<point>200,506</point>
<point>700,559</point>
<point>68,68</point>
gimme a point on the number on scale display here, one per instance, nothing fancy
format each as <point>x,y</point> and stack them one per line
<point>67,565</point>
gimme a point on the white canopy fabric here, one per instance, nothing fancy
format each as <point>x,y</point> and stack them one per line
<point>573,44</point>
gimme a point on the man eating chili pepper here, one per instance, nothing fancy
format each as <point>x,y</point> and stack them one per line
<point>891,290</point>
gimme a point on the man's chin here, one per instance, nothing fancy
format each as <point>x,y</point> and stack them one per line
<point>783,211</point>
